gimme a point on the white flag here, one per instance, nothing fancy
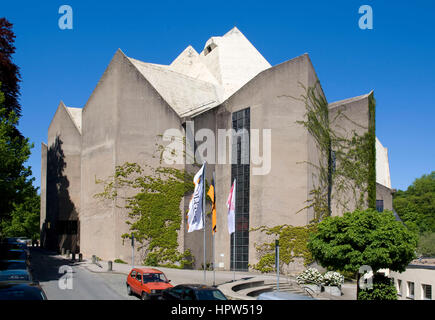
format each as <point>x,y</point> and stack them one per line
<point>195,215</point>
<point>231,204</point>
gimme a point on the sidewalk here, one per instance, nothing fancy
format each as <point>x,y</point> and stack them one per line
<point>177,276</point>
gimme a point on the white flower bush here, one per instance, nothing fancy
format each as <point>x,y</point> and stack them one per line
<point>310,276</point>
<point>332,278</point>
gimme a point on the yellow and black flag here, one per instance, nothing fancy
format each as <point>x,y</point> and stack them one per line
<point>212,195</point>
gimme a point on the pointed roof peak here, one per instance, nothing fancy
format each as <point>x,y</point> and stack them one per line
<point>232,31</point>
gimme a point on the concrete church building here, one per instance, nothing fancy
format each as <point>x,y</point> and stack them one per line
<point>228,85</point>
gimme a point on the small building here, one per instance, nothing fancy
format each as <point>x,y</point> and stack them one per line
<point>417,282</point>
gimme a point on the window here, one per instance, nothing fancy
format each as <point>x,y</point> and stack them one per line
<point>139,277</point>
<point>380,205</point>
<point>399,287</point>
<point>426,291</point>
<point>410,290</point>
<point>241,172</point>
<point>133,274</point>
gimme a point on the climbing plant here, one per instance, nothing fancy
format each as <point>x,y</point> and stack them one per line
<point>347,164</point>
<point>345,172</point>
<point>153,208</point>
<point>292,244</point>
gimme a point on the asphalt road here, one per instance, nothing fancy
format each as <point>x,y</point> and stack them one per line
<point>65,280</point>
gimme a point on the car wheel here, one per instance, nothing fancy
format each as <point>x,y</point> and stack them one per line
<point>129,290</point>
<point>145,296</point>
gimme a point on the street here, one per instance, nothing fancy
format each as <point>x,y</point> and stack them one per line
<point>86,285</point>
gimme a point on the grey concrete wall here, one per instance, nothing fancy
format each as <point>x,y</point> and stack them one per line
<point>347,117</point>
<point>278,197</point>
<point>142,118</point>
<point>195,240</point>
<point>63,175</point>
<point>99,127</point>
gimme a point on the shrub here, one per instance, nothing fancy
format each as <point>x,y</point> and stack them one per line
<point>119,261</point>
<point>383,289</point>
<point>332,278</point>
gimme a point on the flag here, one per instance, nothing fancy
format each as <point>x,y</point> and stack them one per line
<point>195,215</point>
<point>212,194</point>
<point>231,204</point>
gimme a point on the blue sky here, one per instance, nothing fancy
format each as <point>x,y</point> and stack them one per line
<point>395,59</point>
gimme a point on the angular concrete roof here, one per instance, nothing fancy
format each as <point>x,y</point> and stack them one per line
<point>349,100</point>
<point>76,116</point>
<point>195,82</point>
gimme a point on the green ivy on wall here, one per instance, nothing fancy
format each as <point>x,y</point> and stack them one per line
<point>154,209</point>
<point>355,158</point>
<point>292,244</point>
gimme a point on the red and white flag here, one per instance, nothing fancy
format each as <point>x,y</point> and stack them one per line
<point>231,205</point>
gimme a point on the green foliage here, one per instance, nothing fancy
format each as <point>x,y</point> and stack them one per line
<point>416,205</point>
<point>154,209</point>
<point>363,238</point>
<point>24,219</point>
<point>19,201</point>
<point>292,244</point>
<point>355,158</point>
<point>383,289</point>
<point>426,244</point>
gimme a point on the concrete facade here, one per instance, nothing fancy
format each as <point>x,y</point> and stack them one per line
<point>135,102</point>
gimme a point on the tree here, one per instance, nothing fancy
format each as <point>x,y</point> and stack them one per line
<point>9,72</point>
<point>416,205</point>
<point>360,238</point>
<point>15,182</point>
<point>24,219</point>
<point>426,244</point>
<point>19,201</point>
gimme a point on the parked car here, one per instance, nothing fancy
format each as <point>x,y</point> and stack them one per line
<point>13,265</point>
<point>15,255</point>
<point>11,290</point>
<point>193,292</point>
<point>5,246</point>
<point>148,283</point>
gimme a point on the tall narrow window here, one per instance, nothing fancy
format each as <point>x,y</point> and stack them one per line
<point>427,291</point>
<point>410,290</point>
<point>241,172</point>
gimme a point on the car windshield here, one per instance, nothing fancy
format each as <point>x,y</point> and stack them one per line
<point>154,277</point>
<point>210,295</point>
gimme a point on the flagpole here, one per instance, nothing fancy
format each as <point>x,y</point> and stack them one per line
<point>203,209</point>
<point>234,253</point>
<point>213,231</point>
<point>234,244</point>
<point>214,273</point>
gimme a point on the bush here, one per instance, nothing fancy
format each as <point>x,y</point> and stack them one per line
<point>310,276</point>
<point>119,261</point>
<point>383,289</point>
<point>332,278</point>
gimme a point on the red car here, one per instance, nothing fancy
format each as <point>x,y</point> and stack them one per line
<point>147,283</point>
